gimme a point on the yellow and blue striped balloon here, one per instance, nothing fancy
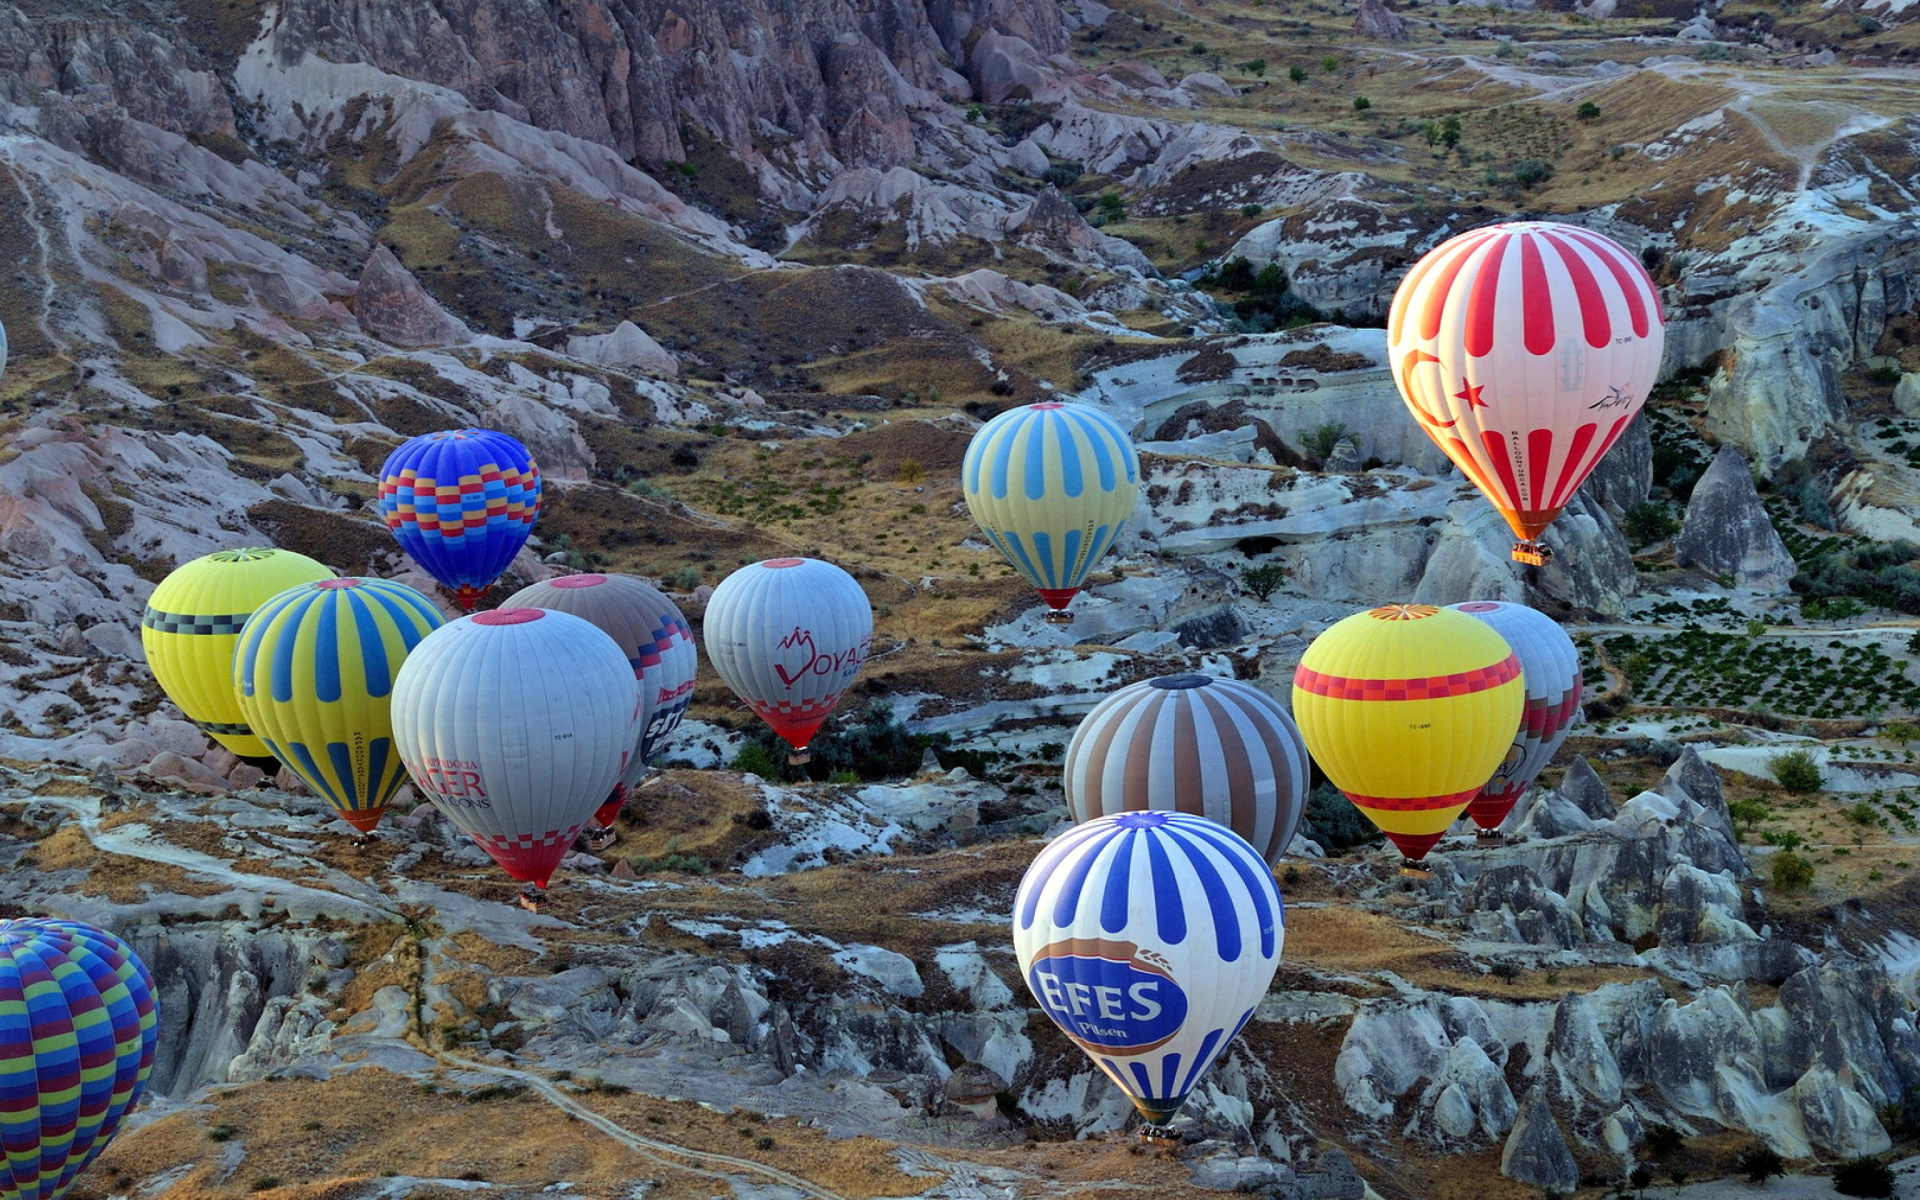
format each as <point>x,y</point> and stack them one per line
<point>314,670</point>
<point>1051,485</point>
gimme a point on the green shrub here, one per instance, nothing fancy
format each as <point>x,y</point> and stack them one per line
<point>1748,813</point>
<point>1786,839</point>
<point>1257,68</point>
<point>757,758</point>
<point>1334,822</point>
<point>684,580</point>
<point>1588,111</point>
<point>1264,579</point>
<point>1297,74</point>
<point>1797,771</point>
<point>1062,176</point>
<point>1649,522</point>
<point>1361,104</point>
<point>1791,873</point>
<point>1863,1177</point>
<point>1664,1141</point>
<point>1759,1163</point>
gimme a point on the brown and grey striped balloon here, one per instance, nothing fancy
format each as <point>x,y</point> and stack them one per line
<point>1216,748</point>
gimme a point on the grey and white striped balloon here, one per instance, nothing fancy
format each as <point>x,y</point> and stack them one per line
<point>1197,744</point>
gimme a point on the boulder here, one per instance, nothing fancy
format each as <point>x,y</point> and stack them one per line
<point>1580,1055</point>
<point>1028,159</point>
<point>245,776</point>
<point>1333,1177</point>
<point>169,767</point>
<point>974,1088</point>
<point>1548,814</point>
<point>1376,22</point>
<point>1584,790</point>
<point>1726,531</point>
<point>392,306</point>
<point>1536,1152</point>
<point>1520,909</point>
<point>1206,83</point>
<point>1906,395</point>
<point>628,346</point>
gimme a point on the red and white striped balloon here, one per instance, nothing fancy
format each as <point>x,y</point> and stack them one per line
<point>1524,349</point>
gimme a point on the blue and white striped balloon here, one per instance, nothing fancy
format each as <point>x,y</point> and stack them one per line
<point>1051,485</point>
<point>1149,939</point>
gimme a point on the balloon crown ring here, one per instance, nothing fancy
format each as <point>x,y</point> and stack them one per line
<point>578,581</point>
<point>508,616</point>
<point>1142,820</point>
<point>1402,612</point>
<point>336,584</point>
<point>1180,682</point>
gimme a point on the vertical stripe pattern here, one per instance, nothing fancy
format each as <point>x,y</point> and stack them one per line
<point>1051,485</point>
<point>314,670</point>
<point>192,621</point>
<point>650,631</point>
<point>1214,748</point>
<point>461,503</point>
<point>1523,349</point>
<point>78,1028</point>
<point>1552,666</point>
<point>788,635</point>
<point>1408,709</point>
<point>516,723</point>
<point>1149,939</point>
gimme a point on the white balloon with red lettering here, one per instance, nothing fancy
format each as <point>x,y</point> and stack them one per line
<point>788,635</point>
<point>516,723</point>
<point>1149,938</point>
<point>1524,349</point>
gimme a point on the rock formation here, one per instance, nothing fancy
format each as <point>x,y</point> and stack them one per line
<point>393,307</point>
<point>1727,531</point>
<point>1376,22</point>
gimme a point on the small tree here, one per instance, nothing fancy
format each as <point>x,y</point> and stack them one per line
<point>1257,68</point>
<point>1264,579</point>
<point>1901,732</point>
<point>1450,137</point>
<point>1786,839</point>
<point>1361,104</point>
<point>1649,522</point>
<point>1797,771</point>
<point>1664,1141</point>
<point>1330,63</point>
<point>1199,50</point>
<point>911,471</point>
<point>1641,1178</point>
<point>1431,131</point>
<point>1791,873</point>
<point>1760,1163</point>
<point>1299,75</point>
<point>1748,813</point>
<point>1588,111</point>
<point>1863,1177</point>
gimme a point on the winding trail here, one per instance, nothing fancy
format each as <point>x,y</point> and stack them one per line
<point>127,843</point>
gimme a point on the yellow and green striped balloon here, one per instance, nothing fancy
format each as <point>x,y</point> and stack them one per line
<point>1051,485</point>
<point>192,621</point>
<point>314,671</point>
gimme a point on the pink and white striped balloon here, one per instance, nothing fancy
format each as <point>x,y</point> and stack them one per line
<point>1524,349</point>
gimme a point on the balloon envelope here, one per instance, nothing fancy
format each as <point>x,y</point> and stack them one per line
<point>788,635</point>
<point>1149,939</point>
<point>78,1028</point>
<point>1051,485</point>
<point>1551,667</point>
<point>1216,748</point>
<point>192,622</point>
<point>461,503</point>
<point>1408,709</point>
<point>315,672</point>
<point>1524,349</point>
<point>516,723</point>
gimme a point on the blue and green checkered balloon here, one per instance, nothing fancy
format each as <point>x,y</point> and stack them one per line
<point>78,1025</point>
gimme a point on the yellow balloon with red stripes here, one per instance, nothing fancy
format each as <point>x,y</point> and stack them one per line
<point>1409,709</point>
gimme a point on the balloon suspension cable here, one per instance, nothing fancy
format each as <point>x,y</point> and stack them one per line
<point>1058,616</point>
<point>800,757</point>
<point>533,898</point>
<point>1533,553</point>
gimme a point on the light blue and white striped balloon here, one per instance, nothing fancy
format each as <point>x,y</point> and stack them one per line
<point>1149,939</point>
<point>1051,485</point>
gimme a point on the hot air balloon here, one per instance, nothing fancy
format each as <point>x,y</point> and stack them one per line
<point>3,349</point>
<point>461,502</point>
<point>193,620</point>
<point>517,722</point>
<point>658,644</point>
<point>788,635</point>
<point>1551,667</point>
<point>1524,349</point>
<point>1408,709</point>
<point>315,671</point>
<point>1215,748</point>
<point>77,1039</point>
<point>1050,485</point>
<point>1149,939</point>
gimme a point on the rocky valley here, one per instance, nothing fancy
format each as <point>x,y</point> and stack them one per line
<point>746,276</point>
